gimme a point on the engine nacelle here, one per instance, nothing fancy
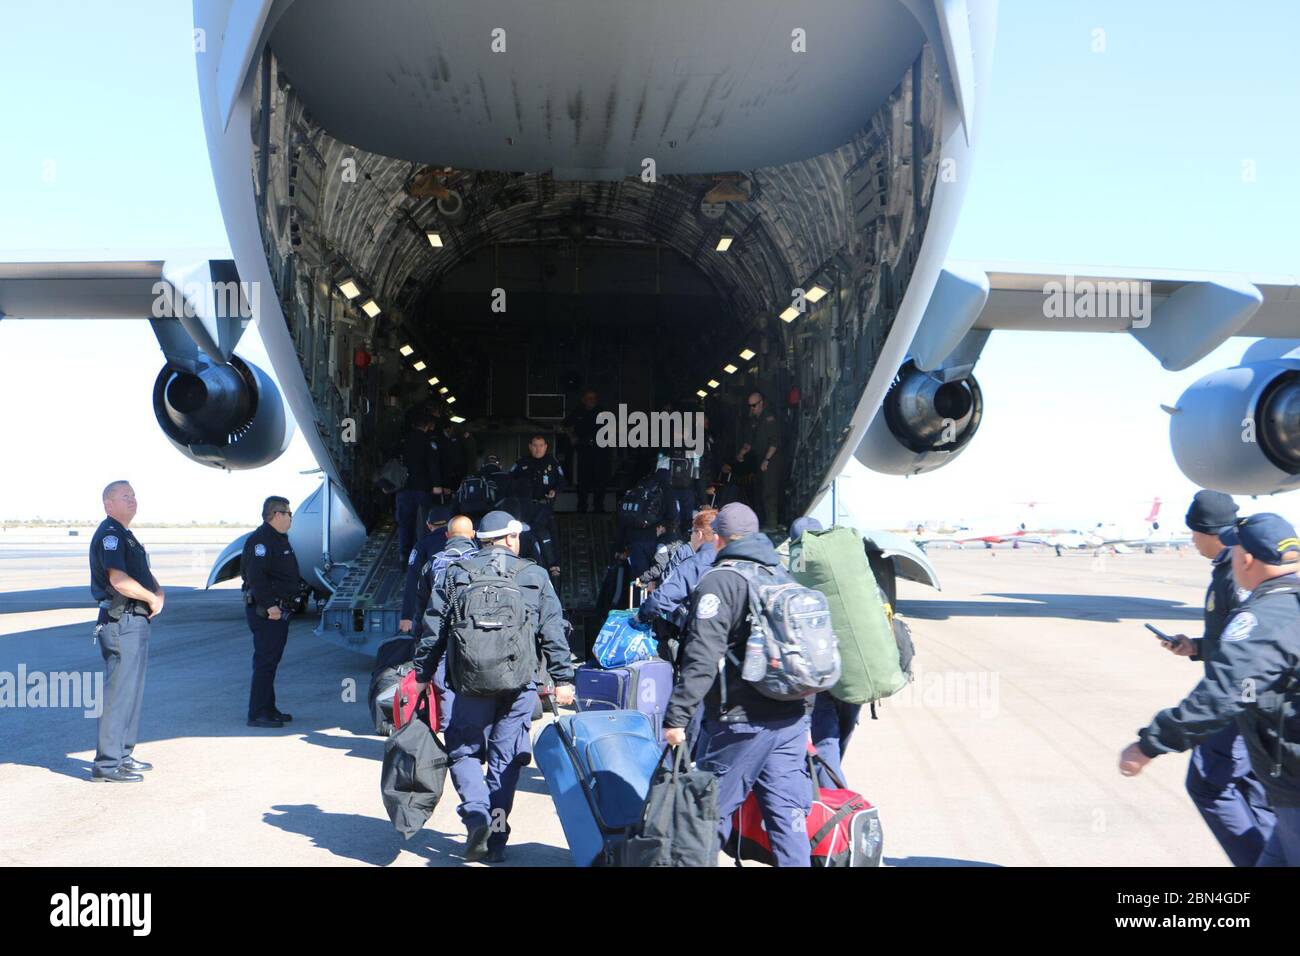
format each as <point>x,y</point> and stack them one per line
<point>226,416</point>
<point>1238,429</point>
<point>923,423</point>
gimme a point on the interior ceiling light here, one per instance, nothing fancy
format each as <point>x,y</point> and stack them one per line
<point>451,399</point>
<point>443,390</point>
<point>370,308</point>
<point>724,243</point>
<point>746,355</point>
<point>456,419</point>
<point>350,289</point>
<point>729,369</point>
<point>435,240</point>
<point>434,380</point>
<point>419,366</point>
<point>406,350</point>
<point>816,294</point>
<point>702,393</point>
<point>714,383</point>
<point>790,314</point>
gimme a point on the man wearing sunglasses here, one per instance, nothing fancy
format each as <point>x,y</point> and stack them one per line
<point>271,585</point>
<point>761,455</point>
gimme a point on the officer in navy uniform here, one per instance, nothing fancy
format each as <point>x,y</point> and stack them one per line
<point>413,597</point>
<point>544,477</point>
<point>591,458</point>
<point>1219,777</point>
<point>747,741</point>
<point>129,599</point>
<point>1252,680</point>
<point>271,585</point>
<point>493,729</point>
<point>423,479</point>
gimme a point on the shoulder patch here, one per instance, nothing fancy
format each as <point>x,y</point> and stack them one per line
<point>1240,626</point>
<point>259,550</point>
<point>1209,602</point>
<point>1242,594</point>
<point>410,562</point>
<point>110,542</point>
<point>708,607</point>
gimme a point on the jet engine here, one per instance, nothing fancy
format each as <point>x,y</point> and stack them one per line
<point>924,422</point>
<point>1238,429</point>
<point>225,416</point>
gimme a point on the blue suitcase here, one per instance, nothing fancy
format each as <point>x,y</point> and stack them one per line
<point>644,686</point>
<point>598,768</point>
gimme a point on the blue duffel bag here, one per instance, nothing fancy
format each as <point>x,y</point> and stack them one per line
<point>623,640</point>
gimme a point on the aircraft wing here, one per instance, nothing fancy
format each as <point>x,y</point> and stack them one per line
<point>1180,316</point>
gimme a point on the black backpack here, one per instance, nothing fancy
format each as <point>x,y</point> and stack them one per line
<point>643,505</point>
<point>492,645</point>
<point>477,494</point>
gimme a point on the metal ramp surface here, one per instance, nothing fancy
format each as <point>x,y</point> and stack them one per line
<point>586,546</point>
<point>365,609</point>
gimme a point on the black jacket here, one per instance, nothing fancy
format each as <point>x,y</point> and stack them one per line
<point>1221,599</point>
<point>269,567</point>
<point>415,596</point>
<point>717,629</point>
<point>1251,680</point>
<point>421,461</point>
<point>540,474</point>
<point>539,593</point>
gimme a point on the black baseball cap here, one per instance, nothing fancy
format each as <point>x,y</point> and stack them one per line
<point>1211,512</point>
<point>1266,537</point>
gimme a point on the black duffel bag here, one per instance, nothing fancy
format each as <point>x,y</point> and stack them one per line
<point>679,825</point>
<point>414,772</point>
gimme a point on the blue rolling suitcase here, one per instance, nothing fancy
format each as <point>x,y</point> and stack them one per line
<point>644,686</point>
<point>598,768</point>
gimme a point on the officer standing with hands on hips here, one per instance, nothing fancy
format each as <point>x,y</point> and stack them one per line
<point>1219,777</point>
<point>129,599</point>
<point>271,585</point>
<point>1251,680</point>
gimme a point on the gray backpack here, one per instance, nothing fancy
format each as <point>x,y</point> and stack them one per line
<point>792,651</point>
<point>491,646</point>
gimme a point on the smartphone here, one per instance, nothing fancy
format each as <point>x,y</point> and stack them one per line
<point>1160,634</point>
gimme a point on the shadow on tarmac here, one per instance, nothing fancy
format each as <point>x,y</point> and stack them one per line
<point>1100,607</point>
<point>909,861</point>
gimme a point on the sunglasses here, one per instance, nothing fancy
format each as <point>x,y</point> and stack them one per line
<point>755,404</point>
<point>289,513</point>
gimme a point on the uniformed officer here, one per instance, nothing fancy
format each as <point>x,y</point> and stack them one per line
<point>415,594</point>
<point>748,741</point>
<point>271,585</point>
<point>423,479</point>
<point>1219,777</point>
<point>493,729</point>
<point>591,458</point>
<point>460,544</point>
<point>129,599</point>
<point>544,478</point>
<point>456,456</point>
<point>762,437</point>
<point>1250,680</point>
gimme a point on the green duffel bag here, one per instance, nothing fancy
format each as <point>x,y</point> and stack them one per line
<point>834,562</point>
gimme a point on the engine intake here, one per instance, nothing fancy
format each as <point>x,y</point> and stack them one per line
<point>1238,429</point>
<point>224,416</point>
<point>923,423</point>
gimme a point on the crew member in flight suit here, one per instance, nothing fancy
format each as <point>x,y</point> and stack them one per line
<point>271,585</point>
<point>544,477</point>
<point>1219,777</point>
<point>493,729</point>
<point>1252,680</point>
<point>129,599</point>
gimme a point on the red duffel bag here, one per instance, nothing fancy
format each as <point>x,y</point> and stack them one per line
<point>843,827</point>
<point>404,701</point>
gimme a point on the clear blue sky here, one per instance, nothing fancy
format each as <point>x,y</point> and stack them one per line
<point>1132,156</point>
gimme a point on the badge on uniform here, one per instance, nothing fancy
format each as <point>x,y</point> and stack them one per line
<point>708,607</point>
<point>259,550</point>
<point>110,542</point>
<point>1209,603</point>
<point>1240,626</point>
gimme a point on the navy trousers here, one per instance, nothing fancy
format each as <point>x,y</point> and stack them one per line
<point>1283,846</point>
<point>269,638</point>
<point>488,794</point>
<point>1230,797</point>
<point>412,508</point>
<point>769,758</point>
<point>124,645</point>
<point>833,722</point>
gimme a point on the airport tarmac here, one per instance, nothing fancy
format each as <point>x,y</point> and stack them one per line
<point>1032,672</point>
